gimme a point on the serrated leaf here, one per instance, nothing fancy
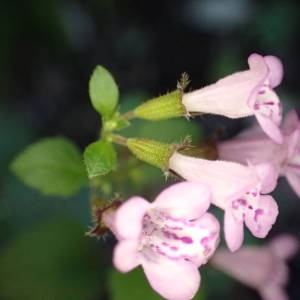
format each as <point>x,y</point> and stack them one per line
<point>104,92</point>
<point>100,158</point>
<point>52,165</point>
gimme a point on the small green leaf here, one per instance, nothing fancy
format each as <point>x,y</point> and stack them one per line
<point>53,166</point>
<point>104,92</point>
<point>100,158</point>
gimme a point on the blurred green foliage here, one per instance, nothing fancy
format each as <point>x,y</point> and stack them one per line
<point>52,261</point>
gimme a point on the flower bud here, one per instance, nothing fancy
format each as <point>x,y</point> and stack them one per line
<point>152,152</point>
<point>163,107</point>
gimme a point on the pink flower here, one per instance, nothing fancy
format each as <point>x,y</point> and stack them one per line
<point>237,190</point>
<point>170,238</point>
<point>261,268</point>
<point>244,94</point>
<point>253,145</point>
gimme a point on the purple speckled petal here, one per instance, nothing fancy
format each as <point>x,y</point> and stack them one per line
<point>168,244</point>
<point>263,216</point>
<point>268,112</point>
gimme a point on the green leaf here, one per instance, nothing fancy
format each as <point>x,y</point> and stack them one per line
<point>53,166</point>
<point>100,158</point>
<point>104,92</point>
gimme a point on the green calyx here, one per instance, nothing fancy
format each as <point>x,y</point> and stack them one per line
<point>163,107</point>
<point>152,152</point>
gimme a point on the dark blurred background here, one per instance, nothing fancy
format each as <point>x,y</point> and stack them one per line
<point>48,51</point>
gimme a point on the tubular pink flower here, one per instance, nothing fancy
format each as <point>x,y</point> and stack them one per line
<point>253,145</point>
<point>237,190</point>
<point>243,94</point>
<point>170,238</point>
<point>261,268</point>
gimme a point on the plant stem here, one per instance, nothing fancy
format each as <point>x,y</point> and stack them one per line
<point>128,115</point>
<point>118,139</point>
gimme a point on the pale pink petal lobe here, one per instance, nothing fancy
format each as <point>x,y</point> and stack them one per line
<point>173,280</point>
<point>269,127</point>
<point>126,257</point>
<point>263,216</point>
<point>268,175</point>
<point>128,221</point>
<point>276,70</point>
<point>284,246</point>
<point>290,122</point>
<point>293,179</point>
<point>185,199</point>
<point>233,230</point>
<point>273,292</point>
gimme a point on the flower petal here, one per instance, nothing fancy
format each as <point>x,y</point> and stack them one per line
<point>258,64</point>
<point>275,70</point>
<point>227,97</point>
<point>259,67</point>
<point>178,280</point>
<point>128,222</point>
<point>268,175</point>
<point>126,256</point>
<point>269,127</point>
<point>251,265</point>
<point>294,180</point>
<point>290,122</point>
<point>292,142</point>
<point>273,292</point>
<point>284,246</point>
<point>211,241</point>
<point>263,217</point>
<point>230,95</point>
<point>248,148</point>
<point>185,199</point>
<point>226,179</point>
<point>233,230</point>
